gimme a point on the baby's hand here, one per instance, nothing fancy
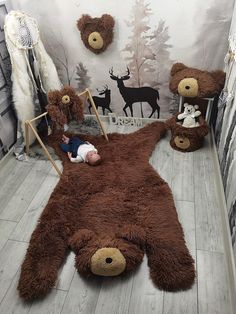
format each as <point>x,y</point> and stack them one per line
<point>69,155</point>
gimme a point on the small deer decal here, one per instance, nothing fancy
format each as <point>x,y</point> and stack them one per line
<point>133,94</point>
<point>103,102</point>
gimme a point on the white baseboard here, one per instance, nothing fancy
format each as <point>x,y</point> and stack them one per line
<point>225,227</point>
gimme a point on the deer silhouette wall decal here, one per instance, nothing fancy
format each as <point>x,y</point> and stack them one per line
<point>103,102</point>
<point>133,95</point>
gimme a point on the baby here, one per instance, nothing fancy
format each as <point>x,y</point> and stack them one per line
<point>80,151</point>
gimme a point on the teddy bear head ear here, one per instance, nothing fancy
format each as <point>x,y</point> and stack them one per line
<point>185,105</point>
<point>133,234</point>
<point>80,239</point>
<point>107,21</point>
<point>83,21</point>
<point>177,67</point>
<point>196,106</point>
<point>219,77</point>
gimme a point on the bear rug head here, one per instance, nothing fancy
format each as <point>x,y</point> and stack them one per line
<point>110,216</point>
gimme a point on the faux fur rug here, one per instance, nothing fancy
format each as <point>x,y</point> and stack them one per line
<point>110,215</point>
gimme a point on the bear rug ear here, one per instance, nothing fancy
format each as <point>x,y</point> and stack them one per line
<point>134,234</point>
<point>80,239</point>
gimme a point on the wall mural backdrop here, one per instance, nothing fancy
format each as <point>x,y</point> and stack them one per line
<point>131,76</point>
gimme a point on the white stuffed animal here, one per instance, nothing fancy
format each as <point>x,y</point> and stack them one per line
<point>189,116</point>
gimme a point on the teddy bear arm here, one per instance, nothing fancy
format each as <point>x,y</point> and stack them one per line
<point>197,113</point>
<point>77,110</point>
<point>181,116</point>
<point>46,252</point>
<point>56,115</point>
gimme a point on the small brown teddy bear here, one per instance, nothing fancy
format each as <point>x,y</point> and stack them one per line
<point>194,84</point>
<point>63,106</point>
<point>96,33</point>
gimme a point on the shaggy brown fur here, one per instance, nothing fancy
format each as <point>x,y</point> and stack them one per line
<point>180,135</point>
<point>122,203</point>
<point>102,25</point>
<point>64,105</point>
<point>209,84</point>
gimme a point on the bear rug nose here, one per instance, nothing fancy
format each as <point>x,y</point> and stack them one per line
<point>108,262</point>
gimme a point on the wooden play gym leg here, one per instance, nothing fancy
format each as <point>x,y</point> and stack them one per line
<point>29,124</point>
<point>88,95</point>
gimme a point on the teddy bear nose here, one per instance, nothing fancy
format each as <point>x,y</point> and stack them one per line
<point>95,40</point>
<point>107,262</point>
<point>188,87</point>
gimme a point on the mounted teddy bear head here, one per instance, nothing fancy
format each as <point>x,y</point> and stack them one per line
<point>191,82</point>
<point>96,33</point>
<point>189,115</point>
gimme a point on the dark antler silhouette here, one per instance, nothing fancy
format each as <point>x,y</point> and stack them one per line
<point>133,94</point>
<point>103,102</point>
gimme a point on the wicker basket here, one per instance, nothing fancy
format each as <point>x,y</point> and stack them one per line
<point>187,139</point>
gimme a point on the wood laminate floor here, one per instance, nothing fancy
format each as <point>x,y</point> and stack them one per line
<point>25,188</point>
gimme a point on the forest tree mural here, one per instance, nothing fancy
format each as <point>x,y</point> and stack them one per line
<point>148,39</point>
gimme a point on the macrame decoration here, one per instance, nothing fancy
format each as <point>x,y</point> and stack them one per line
<point>63,106</point>
<point>33,72</point>
<point>96,33</point>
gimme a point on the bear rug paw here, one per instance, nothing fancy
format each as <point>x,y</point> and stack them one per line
<point>34,285</point>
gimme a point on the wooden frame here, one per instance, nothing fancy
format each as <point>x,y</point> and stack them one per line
<point>28,124</point>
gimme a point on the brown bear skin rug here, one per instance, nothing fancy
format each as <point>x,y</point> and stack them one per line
<point>110,216</point>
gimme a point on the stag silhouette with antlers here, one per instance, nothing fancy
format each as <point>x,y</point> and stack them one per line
<point>133,95</point>
<point>103,102</point>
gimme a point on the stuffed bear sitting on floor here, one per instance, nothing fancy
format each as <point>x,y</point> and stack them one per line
<point>189,115</point>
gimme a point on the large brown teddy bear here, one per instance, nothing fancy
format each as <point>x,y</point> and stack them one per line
<point>63,106</point>
<point>96,33</point>
<point>110,216</point>
<point>193,84</point>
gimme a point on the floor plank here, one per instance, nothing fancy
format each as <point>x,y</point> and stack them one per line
<point>208,217</point>
<point>6,228</point>
<point>11,258</point>
<point>66,273</point>
<point>12,181</point>
<point>12,303</point>
<point>52,303</point>
<point>29,220</point>
<point>145,297</point>
<point>82,296</point>
<point>17,205</point>
<point>117,291</point>
<point>182,176</point>
<point>213,288</point>
<point>184,302</point>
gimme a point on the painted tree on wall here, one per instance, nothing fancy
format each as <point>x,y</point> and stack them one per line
<point>56,47</point>
<point>82,77</point>
<point>208,45</point>
<point>159,44</point>
<point>140,56</point>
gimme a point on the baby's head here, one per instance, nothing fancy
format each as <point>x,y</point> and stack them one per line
<point>93,158</point>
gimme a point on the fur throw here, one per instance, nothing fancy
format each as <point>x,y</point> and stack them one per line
<point>23,85</point>
<point>110,215</point>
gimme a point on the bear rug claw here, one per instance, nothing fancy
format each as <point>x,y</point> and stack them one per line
<point>110,216</point>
